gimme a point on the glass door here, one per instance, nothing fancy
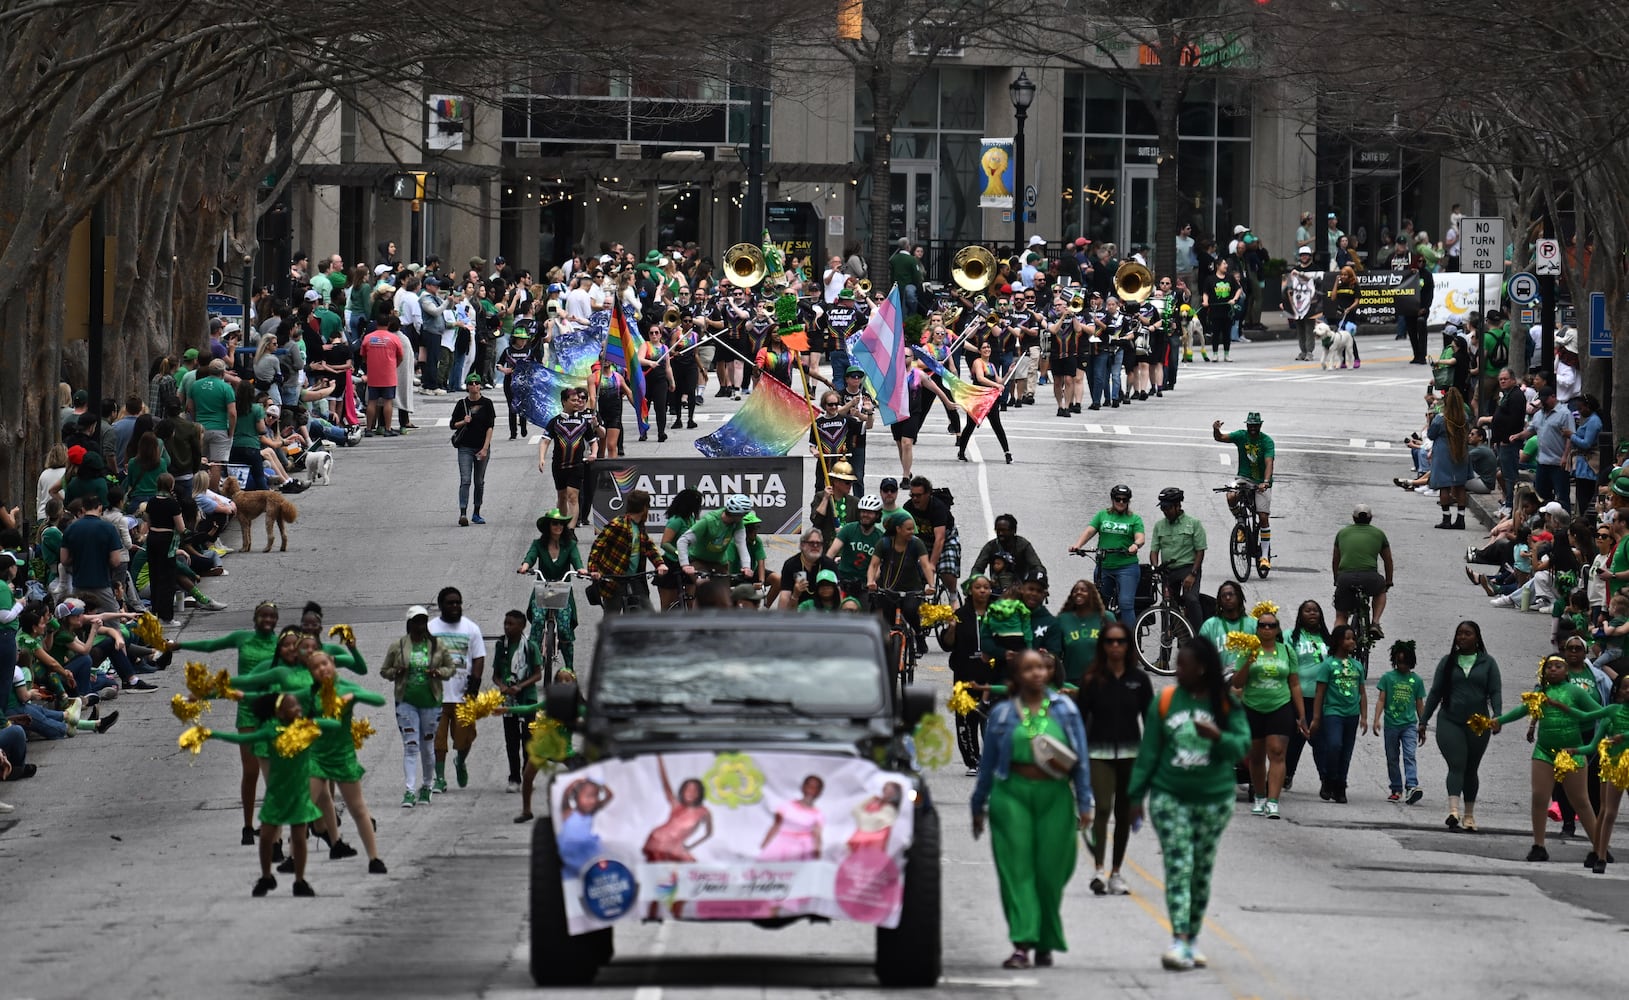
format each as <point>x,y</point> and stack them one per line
<point>1137,208</point>
<point>911,198</point>
<point>1373,216</point>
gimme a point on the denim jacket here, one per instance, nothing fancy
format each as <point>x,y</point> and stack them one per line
<point>997,758</point>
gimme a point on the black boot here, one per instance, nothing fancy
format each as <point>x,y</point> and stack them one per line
<point>1459,522</point>
<point>1340,791</point>
<point>1324,792</point>
<point>1447,521</point>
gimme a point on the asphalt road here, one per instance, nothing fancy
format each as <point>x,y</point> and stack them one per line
<point>126,877</point>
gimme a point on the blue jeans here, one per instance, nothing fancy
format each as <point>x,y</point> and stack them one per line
<point>1117,363</point>
<point>1510,456</point>
<point>1550,482</point>
<point>1097,379</point>
<point>432,363</point>
<point>839,365</point>
<point>908,300</point>
<point>455,374</point>
<point>1407,739</point>
<point>14,744</point>
<point>1338,738</point>
<point>1123,582</point>
<point>470,467</point>
<point>47,722</point>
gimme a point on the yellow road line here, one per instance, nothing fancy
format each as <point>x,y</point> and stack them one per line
<point>1160,918</point>
<point>1216,929</point>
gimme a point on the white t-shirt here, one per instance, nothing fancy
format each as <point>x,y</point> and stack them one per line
<point>835,280</point>
<point>48,479</point>
<point>579,305</point>
<point>463,642</point>
<point>407,308</point>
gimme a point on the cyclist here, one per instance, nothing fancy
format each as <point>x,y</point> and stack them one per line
<point>1177,542</point>
<point>901,565</point>
<point>712,535</point>
<point>936,526</point>
<point>1358,547</point>
<point>1122,538</point>
<point>1255,467</point>
<point>622,549</point>
<point>554,553</point>
<point>854,544</point>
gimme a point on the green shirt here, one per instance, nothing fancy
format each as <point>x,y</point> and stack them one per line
<point>248,436</point>
<point>1360,545</point>
<point>1403,691</point>
<point>328,322</point>
<point>508,669</point>
<point>1494,336</point>
<point>1253,455</point>
<point>677,525</point>
<point>210,398</point>
<point>143,481</point>
<point>1175,759</point>
<point>1115,533</point>
<point>417,691</point>
<point>1620,564</point>
<point>1216,628</point>
<point>858,545</point>
<point>1342,678</point>
<point>1177,541</point>
<point>1079,636</point>
<point>8,600</point>
<point>711,538</point>
<point>1558,729</point>
<point>1267,687</point>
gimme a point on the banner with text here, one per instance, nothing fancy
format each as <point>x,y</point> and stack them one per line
<point>731,836</point>
<point>776,486</point>
<point>1454,296</point>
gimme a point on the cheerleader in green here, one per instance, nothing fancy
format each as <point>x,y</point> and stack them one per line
<point>554,553</point>
<point>1229,617</point>
<point>534,711</point>
<point>1613,728</point>
<point>334,761</point>
<point>288,788</point>
<point>255,648</point>
<point>1558,732</point>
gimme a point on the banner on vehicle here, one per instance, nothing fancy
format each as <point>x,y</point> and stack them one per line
<point>732,836</point>
<point>1454,296</point>
<point>776,486</point>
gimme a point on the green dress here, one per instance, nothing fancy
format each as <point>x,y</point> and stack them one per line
<point>1558,729</point>
<point>565,619</point>
<point>1032,836</point>
<point>288,780</point>
<point>333,756</point>
<point>255,650</point>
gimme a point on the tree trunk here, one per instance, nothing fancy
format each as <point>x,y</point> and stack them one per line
<point>1166,186</point>
<point>882,170</point>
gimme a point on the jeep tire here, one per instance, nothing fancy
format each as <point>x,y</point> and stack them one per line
<point>910,955</point>
<point>557,959</point>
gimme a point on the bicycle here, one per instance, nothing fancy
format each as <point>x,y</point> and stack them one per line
<point>1361,619</point>
<point>903,639</point>
<point>628,601</point>
<point>1244,541</point>
<point>1159,630</point>
<point>552,596</point>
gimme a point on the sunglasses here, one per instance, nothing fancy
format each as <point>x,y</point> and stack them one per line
<point>1272,625</point>
<point>831,405</point>
<point>890,489</point>
<point>1118,640</point>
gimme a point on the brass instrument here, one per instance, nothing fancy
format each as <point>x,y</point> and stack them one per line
<point>1133,282</point>
<point>952,316</point>
<point>1077,303</point>
<point>863,287</point>
<point>973,268</point>
<point>744,265</point>
<point>672,317</point>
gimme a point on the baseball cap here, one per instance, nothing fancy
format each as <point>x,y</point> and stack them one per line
<point>1037,241</point>
<point>1304,250</point>
<point>432,280</point>
<point>1036,575</point>
<point>1240,230</point>
<point>1080,241</point>
<point>854,370</point>
<point>1552,508</point>
<point>311,295</point>
<point>417,611</point>
<point>887,485</point>
<point>70,607</point>
<point>1361,510</point>
<point>381,269</point>
<point>472,377</point>
<point>80,396</point>
<point>232,328</point>
<point>190,354</point>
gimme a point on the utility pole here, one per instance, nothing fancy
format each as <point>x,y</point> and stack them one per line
<point>752,209</point>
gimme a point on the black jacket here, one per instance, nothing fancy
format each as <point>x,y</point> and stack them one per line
<point>1509,417</point>
<point>969,660</point>
<point>1113,708</point>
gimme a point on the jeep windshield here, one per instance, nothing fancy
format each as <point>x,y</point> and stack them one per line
<point>775,669</point>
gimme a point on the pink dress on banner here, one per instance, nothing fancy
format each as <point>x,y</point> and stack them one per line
<point>795,839</point>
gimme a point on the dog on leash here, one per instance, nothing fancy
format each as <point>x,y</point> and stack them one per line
<point>1337,343</point>
<point>319,465</point>
<point>278,509</point>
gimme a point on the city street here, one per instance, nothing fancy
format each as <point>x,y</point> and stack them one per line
<point>130,881</point>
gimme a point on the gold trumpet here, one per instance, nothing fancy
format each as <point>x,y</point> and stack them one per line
<point>1133,282</point>
<point>973,268</point>
<point>744,265</point>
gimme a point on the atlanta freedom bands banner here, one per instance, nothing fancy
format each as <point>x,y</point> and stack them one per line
<point>776,486</point>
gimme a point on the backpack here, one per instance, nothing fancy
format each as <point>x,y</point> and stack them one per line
<point>1169,694</point>
<point>943,495</point>
<point>1499,356</point>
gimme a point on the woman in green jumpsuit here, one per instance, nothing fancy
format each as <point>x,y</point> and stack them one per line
<point>554,553</point>
<point>1466,683</point>
<point>1558,734</point>
<point>1033,812</point>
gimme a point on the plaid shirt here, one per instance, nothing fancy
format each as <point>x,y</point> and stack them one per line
<point>612,553</point>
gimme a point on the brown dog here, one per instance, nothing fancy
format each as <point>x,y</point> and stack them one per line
<point>279,510</point>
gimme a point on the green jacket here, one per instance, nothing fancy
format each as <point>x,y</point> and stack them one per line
<point>1175,759</point>
<point>1462,695</point>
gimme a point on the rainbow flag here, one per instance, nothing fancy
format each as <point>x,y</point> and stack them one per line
<point>623,349</point>
<point>537,390</point>
<point>976,400</point>
<point>879,350</point>
<point>772,422</point>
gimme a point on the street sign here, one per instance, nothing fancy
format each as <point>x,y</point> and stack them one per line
<point>226,306</point>
<point>1600,335</point>
<point>1547,256</point>
<point>1482,245</point>
<point>1524,288</point>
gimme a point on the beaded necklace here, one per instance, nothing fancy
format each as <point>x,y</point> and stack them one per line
<point>1032,724</point>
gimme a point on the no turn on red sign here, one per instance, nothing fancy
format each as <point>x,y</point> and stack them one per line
<point>1482,245</point>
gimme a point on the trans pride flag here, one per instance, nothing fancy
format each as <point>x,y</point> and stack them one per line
<point>879,350</point>
<point>769,424</point>
<point>976,400</point>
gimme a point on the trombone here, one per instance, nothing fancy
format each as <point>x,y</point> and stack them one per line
<point>744,265</point>
<point>973,268</point>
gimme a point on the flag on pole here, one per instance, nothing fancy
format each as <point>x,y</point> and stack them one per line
<point>623,349</point>
<point>879,350</point>
<point>976,400</point>
<point>537,390</point>
<point>578,348</point>
<point>772,421</point>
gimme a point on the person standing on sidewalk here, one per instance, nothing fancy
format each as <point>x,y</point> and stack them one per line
<point>418,665</point>
<point>463,641</point>
<point>473,418</point>
<point>381,356</point>
<point>1553,426</point>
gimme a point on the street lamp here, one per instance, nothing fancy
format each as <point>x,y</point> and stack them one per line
<point>1023,93</point>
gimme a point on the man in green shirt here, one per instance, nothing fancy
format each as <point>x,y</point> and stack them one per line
<point>1121,538</point>
<point>1256,459</point>
<point>1358,548</point>
<point>1178,543</point>
<point>854,544</point>
<point>213,405</point>
<point>1495,355</point>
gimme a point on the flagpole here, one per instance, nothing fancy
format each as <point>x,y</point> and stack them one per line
<point>820,447</point>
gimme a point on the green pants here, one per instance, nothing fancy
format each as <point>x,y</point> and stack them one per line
<point>1189,833</point>
<point>1032,834</point>
<point>1462,751</point>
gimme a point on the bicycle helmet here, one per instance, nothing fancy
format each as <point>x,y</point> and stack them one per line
<point>871,502</point>
<point>737,503</point>
<point>1171,495</point>
<point>1120,492</point>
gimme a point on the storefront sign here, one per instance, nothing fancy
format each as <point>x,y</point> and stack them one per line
<point>795,228</point>
<point>776,486</point>
<point>732,836</point>
<point>997,163</point>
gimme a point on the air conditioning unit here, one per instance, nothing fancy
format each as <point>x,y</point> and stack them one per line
<point>528,149</point>
<point>922,40</point>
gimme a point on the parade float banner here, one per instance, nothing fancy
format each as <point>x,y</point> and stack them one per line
<point>732,836</point>
<point>775,486</point>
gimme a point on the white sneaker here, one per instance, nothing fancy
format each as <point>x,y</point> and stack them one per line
<point>1197,957</point>
<point>1117,885</point>
<point>513,786</point>
<point>1503,601</point>
<point>6,807</point>
<point>1260,808</point>
<point>1176,958</point>
<point>1272,810</point>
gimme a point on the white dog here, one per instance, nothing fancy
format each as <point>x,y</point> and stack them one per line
<point>319,465</point>
<point>1337,342</point>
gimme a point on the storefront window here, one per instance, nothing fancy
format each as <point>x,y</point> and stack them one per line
<point>1233,189</point>
<point>936,177</point>
<point>959,218</point>
<point>1196,179</point>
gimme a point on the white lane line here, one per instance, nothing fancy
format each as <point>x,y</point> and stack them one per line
<point>1121,429</point>
<point>1221,458</point>
<point>658,948</point>
<point>1094,428</point>
<point>984,480</point>
<point>1357,442</point>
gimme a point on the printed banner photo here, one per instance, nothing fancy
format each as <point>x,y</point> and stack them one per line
<point>776,486</point>
<point>732,836</point>
<point>997,163</point>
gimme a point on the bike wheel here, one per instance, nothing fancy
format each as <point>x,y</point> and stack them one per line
<point>1238,550</point>
<point>1159,633</point>
<point>551,647</point>
<point>1361,633</point>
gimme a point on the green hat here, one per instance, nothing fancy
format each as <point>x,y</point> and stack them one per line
<point>1619,486</point>
<point>786,314</point>
<point>751,518</point>
<point>191,354</point>
<point>855,370</point>
<point>551,515</point>
<point>472,377</point>
<point>1252,418</point>
<point>653,256</point>
<point>847,293</point>
<point>825,576</point>
<point>894,520</point>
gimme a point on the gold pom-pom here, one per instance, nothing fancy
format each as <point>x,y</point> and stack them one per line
<point>193,739</point>
<point>1479,724</point>
<point>1565,764</point>
<point>1263,608</point>
<point>188,709</point>
<point>961,699</point>
<point>549,743</point>
<point>935,615</point>
<point>1534,702</point>
<point>296,737</point>
<point>361,729</point>
<point>933,742</point>
<point>149,631</point>
<point>1615,769</point>
<point>204,685</point>
<point>329,697</point>
<point>344,634</point>
<point>1243,642</point>
<point>471,710</point>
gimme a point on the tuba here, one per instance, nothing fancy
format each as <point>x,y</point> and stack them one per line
<point>973,268</point>
<point>744,265</point>
<point>1133,282</point>
<point>1077,302</point>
